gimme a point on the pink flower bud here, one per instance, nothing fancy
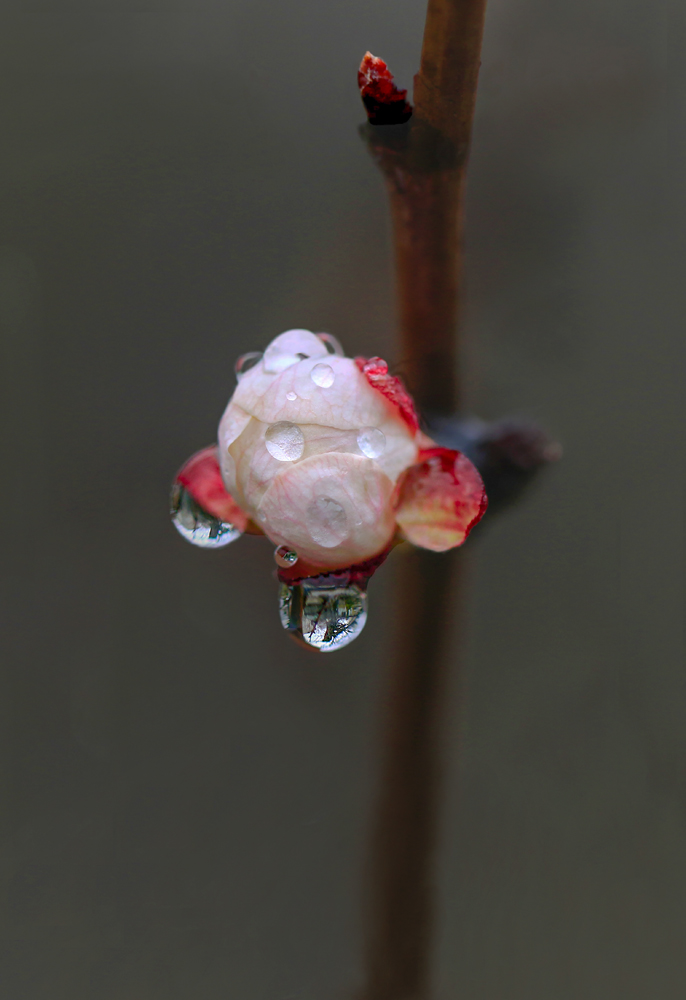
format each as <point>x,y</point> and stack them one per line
<point>323,454</point>
<point>312,452</point>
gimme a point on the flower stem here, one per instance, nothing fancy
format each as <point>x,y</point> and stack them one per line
<point>424,163</point>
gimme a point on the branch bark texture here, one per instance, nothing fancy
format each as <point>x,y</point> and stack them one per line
<point>424,163</point>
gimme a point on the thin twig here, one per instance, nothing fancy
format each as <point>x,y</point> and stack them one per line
<point>424,163</point>
<point>401,895</point>
<point>445,87</point>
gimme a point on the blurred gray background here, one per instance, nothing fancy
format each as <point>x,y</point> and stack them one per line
<point>186,795</point>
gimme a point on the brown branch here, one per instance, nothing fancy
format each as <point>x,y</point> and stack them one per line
<point>424,162</point>
<point>404,834</point>
<point>445,87</point>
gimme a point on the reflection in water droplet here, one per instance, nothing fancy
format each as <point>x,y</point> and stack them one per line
<point>246,362</point>
<point>291,396</point>
<point>371,441</point>
<point>322,375</point>
<point>284,441</point>
<point>327,522</point>
<point>325,617</point>
<point>285,602</point>
<point>196,525</point>
<point>331,344</point>
<point>285,557</point>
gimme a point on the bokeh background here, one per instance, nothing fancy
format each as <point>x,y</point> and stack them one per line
<point>186,795</point>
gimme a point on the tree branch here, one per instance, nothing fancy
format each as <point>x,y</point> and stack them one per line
<point>424,163</point>
<point>445,87</point>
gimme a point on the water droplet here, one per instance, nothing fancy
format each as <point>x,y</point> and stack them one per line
<point>284,441</point>
<point>197,525</point>
<point>322,375</point>
<point>331,344</point>
<point>325,617</point>
<point>285,604</point>
<point>246,362</point>
<point>327,522</point>
<point>291,396</point>
<point>371,441</point>
<point>285,557</point>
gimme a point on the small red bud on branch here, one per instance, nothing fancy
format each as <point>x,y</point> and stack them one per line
<point>386,104</point>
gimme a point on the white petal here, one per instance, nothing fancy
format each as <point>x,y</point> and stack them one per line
<point>232,424</point>
<point>348,403</point>
<point>285,349</point>
<point>334,510</point>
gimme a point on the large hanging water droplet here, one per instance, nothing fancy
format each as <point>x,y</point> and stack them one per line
<point>197,525</point>
<point>331,344</point>
<point>327,522</point>
<point>371,441</point>
<point>323,376</point>
<point>285,557</point>
<point>285,441</point>
<point>325,617</point>
<point>246,362</point>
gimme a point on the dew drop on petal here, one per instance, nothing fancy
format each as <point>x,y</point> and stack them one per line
<point>246,362</point>
<point>325,617</point>
<point>322,375</point>
<point>331,344</point>
<point>371,441</point>
<point>327,522</point>
<point>285,557</point>
<point>285,441</point>
<point>197,525</point>
<point>291,396</point>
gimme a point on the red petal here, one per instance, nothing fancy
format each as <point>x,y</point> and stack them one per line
<point>202,478</point>
<point>376,372</point>
<point>441,498</point>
